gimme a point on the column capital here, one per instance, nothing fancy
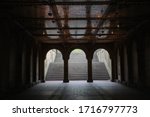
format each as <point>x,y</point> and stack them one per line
<point>65,57</point>
<point>89,57</point>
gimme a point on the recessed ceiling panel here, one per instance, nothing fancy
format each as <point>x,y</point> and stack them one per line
<point>83,13</point>
<point>51,24</point>
<point>77,11</point>
<point>102,32</point>
<point>77,24</point>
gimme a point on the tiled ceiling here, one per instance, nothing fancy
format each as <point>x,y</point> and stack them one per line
<point>76,19</point>
<point>76,11</point>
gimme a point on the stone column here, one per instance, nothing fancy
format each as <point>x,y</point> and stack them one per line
<point>114,65</point>
<point>66,80</point>
<point>27,63</point>
<point>34,64</point>
<point>114,74</point>
<point>89,60</point>
<point>130,64</point>
<point>41,65</point>
<point>141,63</point>
<point>42,70</point>
<point>122,64</point>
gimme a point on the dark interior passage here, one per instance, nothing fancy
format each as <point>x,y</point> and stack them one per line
<point>32,28</point>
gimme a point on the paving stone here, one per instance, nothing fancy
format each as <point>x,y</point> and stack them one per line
<point>81,90</point>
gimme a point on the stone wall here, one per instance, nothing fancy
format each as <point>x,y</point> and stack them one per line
<point>17,48</point>
<point>147,60</point>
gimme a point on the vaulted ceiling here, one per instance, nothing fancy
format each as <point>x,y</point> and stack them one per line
<point>50,20</point>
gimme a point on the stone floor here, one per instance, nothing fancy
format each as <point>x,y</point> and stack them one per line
<point>80,90</point>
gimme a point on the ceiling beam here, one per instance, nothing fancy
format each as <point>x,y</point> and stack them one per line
<point>79,41</point>
<point>57,16</point>
<point>66,13</point>
<point>75,34</point>
<point>102,20</point>
<point>51,2</point>
<point>39,3</point>
<point>75,28</point>
<point>89,23</point>
<point>80,18</point>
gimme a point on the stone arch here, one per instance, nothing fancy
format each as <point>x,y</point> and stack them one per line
<point>77,49</point>
<point>46,50</point>
<point>43,49</point>
<point>84,49</point>
<point>109,49</point>
<point>50,59</point>
<point>103,56</point>
<point>77,65</point>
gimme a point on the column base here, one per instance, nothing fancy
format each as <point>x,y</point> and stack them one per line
<point>89,80</point>
<point>42,81</point>
<point>112,80</point>
<point>65,81</point>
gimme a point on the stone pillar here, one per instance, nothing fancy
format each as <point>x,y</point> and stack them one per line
<point>34,64</point>
<point>37,64</point>
<point>19,82</point>
<point>114,63</point>
<point>122,64</point>
<point>27,63</point>
<point>141,63</point>
<point>118,65</point>
<point>114,70</point>
<point>89,60</point>
<point>31,65</point>
<point>130,64</point>
<point>42,70</point>
<point>41,65</point>
<point>66,80</point>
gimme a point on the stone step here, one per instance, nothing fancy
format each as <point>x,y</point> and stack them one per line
<point>77,68</point>
<point>78,76</point>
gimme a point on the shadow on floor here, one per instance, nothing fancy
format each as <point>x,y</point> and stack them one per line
<point>80,90</point>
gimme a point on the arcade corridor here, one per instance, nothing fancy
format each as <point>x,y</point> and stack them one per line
<point>39,60</point>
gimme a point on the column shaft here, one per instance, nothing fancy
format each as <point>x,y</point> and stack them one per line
<point>65,71</point>
<point>90,79</point>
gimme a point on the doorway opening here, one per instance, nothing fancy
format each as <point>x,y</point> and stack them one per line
<point>78,65</point>
<point>54,65</point>
<point>101,64</point>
